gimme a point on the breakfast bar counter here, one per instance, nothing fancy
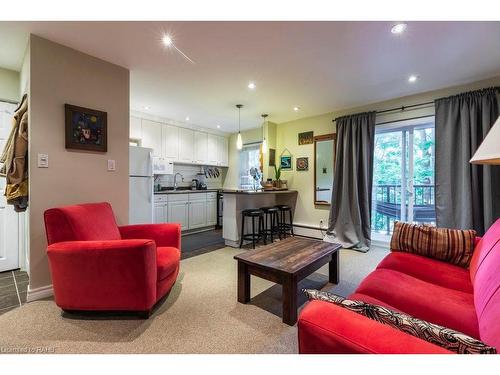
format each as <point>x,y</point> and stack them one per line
<point>236,201</point>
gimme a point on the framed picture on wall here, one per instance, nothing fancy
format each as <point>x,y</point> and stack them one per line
<point>86,129</point>
<point>286,162</point>
<point>272,157</point>
<point>306,138</point>
<point>302,164</point>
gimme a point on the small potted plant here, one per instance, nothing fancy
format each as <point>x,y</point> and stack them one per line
<point>277,175</point>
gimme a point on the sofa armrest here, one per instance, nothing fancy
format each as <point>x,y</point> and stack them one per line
<point>163,234</point>
<point>325,328</point>
<point>104,275</point>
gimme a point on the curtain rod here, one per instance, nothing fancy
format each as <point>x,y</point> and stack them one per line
<point>402,108</point>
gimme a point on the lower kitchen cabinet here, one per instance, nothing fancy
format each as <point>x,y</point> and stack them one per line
<point>191,210</point>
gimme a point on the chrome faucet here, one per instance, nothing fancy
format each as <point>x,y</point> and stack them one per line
<point>175,180</point>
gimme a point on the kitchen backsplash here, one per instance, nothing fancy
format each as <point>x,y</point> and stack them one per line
<point>189,173</point>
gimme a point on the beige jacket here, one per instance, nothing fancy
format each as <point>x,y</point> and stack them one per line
<point>15,159</point>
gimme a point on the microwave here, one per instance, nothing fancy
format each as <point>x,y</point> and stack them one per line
<point>162,166</point>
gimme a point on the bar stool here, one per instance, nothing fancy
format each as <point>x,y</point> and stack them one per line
<point>254,236</point>
<point>271,221</point>
<point>284,227</point>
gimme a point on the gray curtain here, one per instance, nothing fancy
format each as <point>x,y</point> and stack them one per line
<point>467,196</point>
<point>349,222</point>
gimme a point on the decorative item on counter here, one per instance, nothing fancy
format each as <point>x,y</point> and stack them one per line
<point>257,175</point>
<point>303,164</point>
<point>277,175</point>
<point>86,129</point>
<point>267,185</point>
<point>306,138</point>
<point>272,157</point>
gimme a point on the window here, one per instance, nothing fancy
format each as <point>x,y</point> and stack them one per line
<point>250,167</point>
<point>403,175</point>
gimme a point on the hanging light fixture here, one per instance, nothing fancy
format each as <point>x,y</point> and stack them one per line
<point>264,142</point>
<point>239,141</point>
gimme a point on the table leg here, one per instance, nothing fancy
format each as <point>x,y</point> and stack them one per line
<point>290,301</point>
<point>334,268</point>
<point>243,283</point>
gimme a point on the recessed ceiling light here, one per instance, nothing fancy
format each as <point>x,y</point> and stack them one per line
<point>413,78</point>
<point>218,126</point>
<point>399,28</point>
<point>147,108</point>
<point>187,118</point>
<point>167,40</point>
<point>252,85</point>
<point>296,109</point>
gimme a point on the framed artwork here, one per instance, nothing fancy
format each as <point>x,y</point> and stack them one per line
<point>272,157</point>
<point>306,138</point>
<point>286,162</point>
<point>302,164</point>
<point>86,129</point>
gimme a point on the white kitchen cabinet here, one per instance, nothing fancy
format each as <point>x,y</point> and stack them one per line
<point>198,213</point>
<point>135,128</point>
<point>213,149</point>
<point>170,138</point>
<point>178,212</point>
<point>151,136</point>
<point>211,211</point>
<point>200,147</point>
<point>223,158</point>
<point>160,213</point>
<point>186,146</point>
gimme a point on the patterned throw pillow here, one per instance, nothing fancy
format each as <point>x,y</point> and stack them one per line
<point>447,338</point>
<point>448,245</point>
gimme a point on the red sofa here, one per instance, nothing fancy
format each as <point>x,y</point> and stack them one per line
<point>467,300</point>
<point>97,265</point>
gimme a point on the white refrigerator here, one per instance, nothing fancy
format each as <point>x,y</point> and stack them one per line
<point>140,185</point>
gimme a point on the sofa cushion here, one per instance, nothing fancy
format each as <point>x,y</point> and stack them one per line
<point>81,222</point>
<point>436,304</point>
<point>483,248</point>
<point>449,245</point>
<point>167,260</point>
<point>369,299</point>
<point>430,270</point>
<point>438,335</point>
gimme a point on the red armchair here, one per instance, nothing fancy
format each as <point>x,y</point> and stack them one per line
<point>98,266</point>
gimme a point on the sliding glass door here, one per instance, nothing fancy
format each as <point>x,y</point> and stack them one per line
<point>403,175</point>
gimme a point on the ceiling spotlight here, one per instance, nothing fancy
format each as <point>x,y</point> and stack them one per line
<point>399,28</point>
<point>167,40</point>
<point>413,78</point>
<point>187,118</point>
<point>252,85</point>
<point>296,109</point>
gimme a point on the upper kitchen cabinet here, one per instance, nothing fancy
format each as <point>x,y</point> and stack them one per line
<point>152,137</point>
<point>223,152</point>
<point>200,147</point>
<point>135,128</point>
<point>213,145</point>
<point>170,136</point>
<point>186,146</point>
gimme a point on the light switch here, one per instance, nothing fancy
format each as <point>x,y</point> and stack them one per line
<point>43,161</point>
<point>111,165</point>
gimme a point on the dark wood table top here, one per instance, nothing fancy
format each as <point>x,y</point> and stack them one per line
<point>288,256</point>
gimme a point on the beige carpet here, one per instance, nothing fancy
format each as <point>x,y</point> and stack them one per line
<point>200,315</point>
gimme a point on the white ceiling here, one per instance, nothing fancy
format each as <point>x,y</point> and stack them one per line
<point>318,66</point>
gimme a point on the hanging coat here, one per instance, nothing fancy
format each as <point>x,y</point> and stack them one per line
<point>15,159</point>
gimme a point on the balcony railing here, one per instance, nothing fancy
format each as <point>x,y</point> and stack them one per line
<point>387,205</point>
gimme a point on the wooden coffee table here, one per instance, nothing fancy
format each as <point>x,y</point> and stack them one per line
<point>286,262</point>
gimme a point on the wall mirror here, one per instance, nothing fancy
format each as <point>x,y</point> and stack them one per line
<point>324,162</point>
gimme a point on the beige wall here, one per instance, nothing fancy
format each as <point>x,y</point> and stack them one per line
<point>9,85</point>
<point>306,212</point>
<point>60,75</point>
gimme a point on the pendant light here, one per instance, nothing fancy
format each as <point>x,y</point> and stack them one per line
<point>239,141</point>
<point>264,142</point>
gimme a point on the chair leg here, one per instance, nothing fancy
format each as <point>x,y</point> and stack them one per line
<point>242,230</point>
<point>271,228</point>
<point>264,229</point>
<point>253,232</point>
<point>291,223</point>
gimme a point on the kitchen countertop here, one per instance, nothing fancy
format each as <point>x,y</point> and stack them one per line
<point>186,191</point>
<point>253,192</point>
